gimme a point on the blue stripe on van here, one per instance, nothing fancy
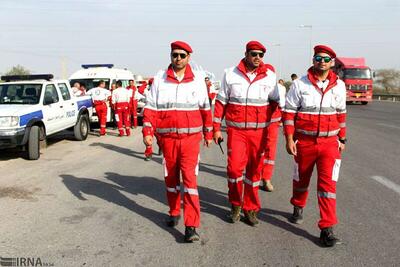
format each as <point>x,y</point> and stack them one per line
<point>24,119</point>
<point>84,103</point>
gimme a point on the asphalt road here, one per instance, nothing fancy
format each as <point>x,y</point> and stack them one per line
<point>97,203</point>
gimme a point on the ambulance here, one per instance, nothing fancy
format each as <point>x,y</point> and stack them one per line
<point>91,74</point>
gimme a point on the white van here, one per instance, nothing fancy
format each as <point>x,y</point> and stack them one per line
<point>91,74</point>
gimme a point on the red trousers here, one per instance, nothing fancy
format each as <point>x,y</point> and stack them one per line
<point>245,149</point>
<point>133,111</point>
<point>122,118</point>
<point>101,111</point>
<point>324,153</point>
<point>270,151</point>
<point>181,155</point>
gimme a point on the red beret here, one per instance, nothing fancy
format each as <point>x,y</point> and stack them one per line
<point>181,45</point>
<point>324,49</point>
<point>255,45</point>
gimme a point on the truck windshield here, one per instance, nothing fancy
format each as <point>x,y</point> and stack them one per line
<point>89,83</point>
<point>357,74</point>
<point>23,94</point>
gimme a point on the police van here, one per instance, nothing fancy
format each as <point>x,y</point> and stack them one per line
<point>91,74</point>
<point>33,107</point>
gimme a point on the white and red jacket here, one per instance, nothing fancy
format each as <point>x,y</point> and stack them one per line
<point>176,108</point>
<point>315,108</point>
<point>99,94</point>
<point>121,95</point>
<point>245,104</point>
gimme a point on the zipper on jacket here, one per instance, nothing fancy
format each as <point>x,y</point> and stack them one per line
<point>247,96</point>
<point>320,109</point>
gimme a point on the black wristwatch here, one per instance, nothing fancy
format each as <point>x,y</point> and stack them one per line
<point>343,141</point>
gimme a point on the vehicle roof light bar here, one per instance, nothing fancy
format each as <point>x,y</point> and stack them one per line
<point>87,66</point>
<point>9,78</point>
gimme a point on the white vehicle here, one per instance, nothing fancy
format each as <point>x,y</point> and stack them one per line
<point>91,74</point>
<point>33,107</point>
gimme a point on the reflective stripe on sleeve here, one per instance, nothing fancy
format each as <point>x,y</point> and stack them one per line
<point>288,122</point>
<point>207,129</point>
<point>326,194</point>
<point>217,120</point>
<point>147,124</point>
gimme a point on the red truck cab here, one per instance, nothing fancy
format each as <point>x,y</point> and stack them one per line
<point>357,77</point>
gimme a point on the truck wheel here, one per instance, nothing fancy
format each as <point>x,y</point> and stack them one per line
<point>33,145</point>
<point>364,102</point>
<point>81,128</point>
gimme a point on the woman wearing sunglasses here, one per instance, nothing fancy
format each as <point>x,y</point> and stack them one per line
<point>315,129</point>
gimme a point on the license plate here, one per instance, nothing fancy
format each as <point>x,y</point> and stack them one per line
<point>358,95</point>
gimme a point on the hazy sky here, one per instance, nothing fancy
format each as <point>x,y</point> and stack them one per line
<point>57,36</point>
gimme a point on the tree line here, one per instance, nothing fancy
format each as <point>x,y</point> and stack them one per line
<point>385,81</point>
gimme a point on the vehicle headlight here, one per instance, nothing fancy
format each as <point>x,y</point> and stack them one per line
<point>10,121</point>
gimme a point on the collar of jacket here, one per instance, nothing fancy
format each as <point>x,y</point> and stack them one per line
<point>312,77</point>
<point>131,87</point>
<point>187,77</point>
<point>261,71</point>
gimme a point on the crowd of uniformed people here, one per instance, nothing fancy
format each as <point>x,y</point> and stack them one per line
<point>254,106</point>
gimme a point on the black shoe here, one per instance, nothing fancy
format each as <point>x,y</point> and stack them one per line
<point>234,216</point>
<point>327,237</point>
<point>297,216</point>
<point>191,234</point>
<point>250,217</point>
<point>173,221</point>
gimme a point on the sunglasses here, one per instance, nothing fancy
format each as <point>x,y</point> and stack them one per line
<point>181,55</point>
<point>254,54</point>
<point>321,58</point>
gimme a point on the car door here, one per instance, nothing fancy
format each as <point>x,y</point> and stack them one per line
<point>52,109</point>
<point>70,108</point>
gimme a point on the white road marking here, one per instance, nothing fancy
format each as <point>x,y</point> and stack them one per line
<point>386,182</point>
<point>389,125</point>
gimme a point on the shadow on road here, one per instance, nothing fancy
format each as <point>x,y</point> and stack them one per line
<point>204,167</point>
<point>270,216</point>
<point>211,201</point>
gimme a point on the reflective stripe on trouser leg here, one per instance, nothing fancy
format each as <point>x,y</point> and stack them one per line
<point>255,148</point>
<point>237,160</point>
<point>326,184</point>
<point>304,164</point>
<point>172,178</point>
<point>270,151</point>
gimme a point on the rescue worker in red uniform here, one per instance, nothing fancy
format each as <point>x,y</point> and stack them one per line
<point>133,104</point>
<point>244,101</point>
<point>177,108</point>
<point>272,141</point>
<point>100,97</point>
<point>210,89</point>
<point>148,153</point>
<point>121,97</point>
<point>315,129</point>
